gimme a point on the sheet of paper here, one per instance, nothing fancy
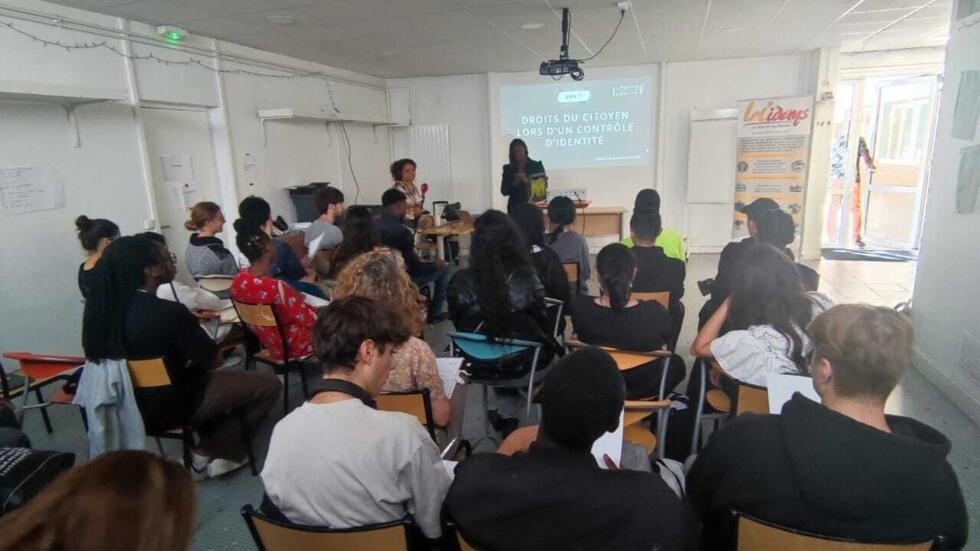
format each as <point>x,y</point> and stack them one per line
<point>450,467</point>
<point>781,388</point>
<point>968,180</point>
<point>175,192</point>
<point>449,373</point>
<point>229,315</point>
<point>314,246</point>
<point>315,302</point>
<point>177,168</point>
<point>967,109</point>
<point>25,189</point>
<point>610,444</point>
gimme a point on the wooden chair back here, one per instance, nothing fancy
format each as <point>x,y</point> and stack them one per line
<point>663,297</point>
<point>413,402</point>
<point>466,218</point>
<point>296,242</point>
<point>151,373</point>
<point>257,315</point>
<point>571,271</point>
<point>216,283</point>
<point>625,360</point>
<point>752,399</point>
<point>321,262</point>
<point>273,535</point>
<point>757,535</point>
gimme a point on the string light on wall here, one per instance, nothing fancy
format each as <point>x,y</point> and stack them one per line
<point>202,62</point>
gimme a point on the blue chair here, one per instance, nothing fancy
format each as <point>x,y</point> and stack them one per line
<point>482,354</point>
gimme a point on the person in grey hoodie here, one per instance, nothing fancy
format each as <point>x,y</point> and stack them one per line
<point>840,468</point>
<point>206,254</point>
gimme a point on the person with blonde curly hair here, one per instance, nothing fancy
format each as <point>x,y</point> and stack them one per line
<point>376,275</point>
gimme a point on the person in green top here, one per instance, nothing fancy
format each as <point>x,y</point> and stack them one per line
<point>671,241</point>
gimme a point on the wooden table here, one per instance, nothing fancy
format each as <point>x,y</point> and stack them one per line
<point>596,221</point>
<point>446,230</point>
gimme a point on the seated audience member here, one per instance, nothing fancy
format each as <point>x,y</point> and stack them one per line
<point>730,262</point>
<point>124,319</point>
<point>393,233</point>
<point>359,238</point>
<point>842,468</point>
<point>375,275</point>
<point>546,262</point>
<point>206,254</point>
<point>403,174</point>
<point>335,461</point>
<point>618,320</point>
<point>671,241</point>
<point>499,294</point>
<point>119,501</point>
<point>655,271</point>
<point>555,496</point>
<point>10,434</point>
<point>566,242</point>
<point>255,211</point>
<point>202,303</point>
<point>766,319</point>
<point>95,235</point>
<point>329,203</point>
<point>254,285</point>
<point>779,230</point>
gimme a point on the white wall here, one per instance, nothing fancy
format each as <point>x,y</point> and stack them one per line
<point>947,291</point>
<point>109,176</point>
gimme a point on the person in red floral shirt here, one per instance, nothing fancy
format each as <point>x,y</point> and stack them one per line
<point>255,285</point>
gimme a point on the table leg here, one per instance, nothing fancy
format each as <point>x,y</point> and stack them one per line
<point>441,247</point>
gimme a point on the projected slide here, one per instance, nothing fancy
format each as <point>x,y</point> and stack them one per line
<point>581,124</point>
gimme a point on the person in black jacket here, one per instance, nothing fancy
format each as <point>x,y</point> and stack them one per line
<point>530,220</point>
<point>655,271</point>
<point>777,228</point>
<point>555,495</point>
<point>515,183</point>
<point>842,468</point>
<point>393,233</point>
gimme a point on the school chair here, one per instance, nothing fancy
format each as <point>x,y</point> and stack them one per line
<point>498,363</point>
<point>663,297</point>
<point>413,402</point>
<point>264,315</point>
<point>152,373</point>
<point>217,283</point>
<point>296,242</point>
<point>753,534</point>
<point>571,274</point>
<point>272,534</point>
<point>749,398</point>
<point>36,372</point>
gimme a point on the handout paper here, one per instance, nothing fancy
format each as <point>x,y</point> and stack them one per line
<point>449,373</point>
<point>781,388</point>
<point>610,444</point>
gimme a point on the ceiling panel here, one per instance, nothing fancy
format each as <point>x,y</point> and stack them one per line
<point>436,37</point>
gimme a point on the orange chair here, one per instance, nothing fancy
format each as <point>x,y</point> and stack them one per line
<point>38,371</point>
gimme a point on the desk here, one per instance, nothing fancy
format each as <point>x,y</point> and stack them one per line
<point>446,230</point>
<point>596,221</point>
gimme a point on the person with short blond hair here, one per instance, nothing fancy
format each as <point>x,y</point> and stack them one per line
<point>842,468</point>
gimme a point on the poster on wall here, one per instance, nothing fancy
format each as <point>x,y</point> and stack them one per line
<point>772,153</point>
<point>25,189</point>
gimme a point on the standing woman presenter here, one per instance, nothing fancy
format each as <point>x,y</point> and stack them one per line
<point>516,182</point>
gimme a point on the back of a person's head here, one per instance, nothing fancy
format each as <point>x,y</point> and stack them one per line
<point>255,209</point>
<point>377,276</point>
<point>868,348</point>
<point>392,197</point>
<point>326,196</point>
<point>92,230</point>
<point>561,210</point>
<point>531,222</point>
<point>250,238</point>
<point>115,279</point>
<point>119,501</point>
<point>615,266</point>
<point>497,251</point>
<point>345,323</point>
<point>645,224</point>
<point>647,199</point>
<point>201,213</point>
<point>153,236</point>
<point>776,227</point>
<point>359,213</point>
<point>581,399</point>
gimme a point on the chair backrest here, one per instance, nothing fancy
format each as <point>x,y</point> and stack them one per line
<point>274,535</point>
<point>296,242</point>
<point>758,535</point>
<point>571,271</point>
<point>150,373</point>
<point>466,218</point>
<point>413,402</point>
<point>477,346</point>
<point>258,315</point>
<point>216,283</point>
<point>663,297</point>
<point>752,399</point>
<point>625,360</point>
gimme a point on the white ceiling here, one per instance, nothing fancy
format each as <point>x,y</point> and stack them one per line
<point>402,38</point>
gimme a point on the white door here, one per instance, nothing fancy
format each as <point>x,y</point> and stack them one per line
<point>183,168</point>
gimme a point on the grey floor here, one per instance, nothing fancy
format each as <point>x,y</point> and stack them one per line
<point>220,527</point>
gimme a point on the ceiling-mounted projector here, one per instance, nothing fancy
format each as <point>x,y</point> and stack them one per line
<point>563,66</point>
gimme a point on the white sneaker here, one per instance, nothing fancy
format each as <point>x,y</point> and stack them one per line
<point>199,467</point>
<point>219,467</point>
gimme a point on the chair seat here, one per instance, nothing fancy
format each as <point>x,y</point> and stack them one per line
<point>718,400</point>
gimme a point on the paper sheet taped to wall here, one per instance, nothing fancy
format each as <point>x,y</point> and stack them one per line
<point>26,189</point>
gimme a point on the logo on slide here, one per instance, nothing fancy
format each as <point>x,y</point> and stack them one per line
<point>574,96</point>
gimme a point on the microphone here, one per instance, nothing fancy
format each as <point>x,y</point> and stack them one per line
<point>424,188</point>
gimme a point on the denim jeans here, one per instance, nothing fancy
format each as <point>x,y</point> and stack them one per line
<point>440,282</point>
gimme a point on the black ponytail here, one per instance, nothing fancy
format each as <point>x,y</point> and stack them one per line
<point>561,211</point>
<point>616,265</point>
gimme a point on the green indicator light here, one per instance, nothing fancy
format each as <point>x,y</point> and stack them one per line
<point>172,36</point>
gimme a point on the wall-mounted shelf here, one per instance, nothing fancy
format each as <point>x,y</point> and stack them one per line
<point>321,115</point>
<point>69,97</point>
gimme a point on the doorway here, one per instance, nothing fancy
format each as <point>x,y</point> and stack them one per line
<point>880,162</point>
